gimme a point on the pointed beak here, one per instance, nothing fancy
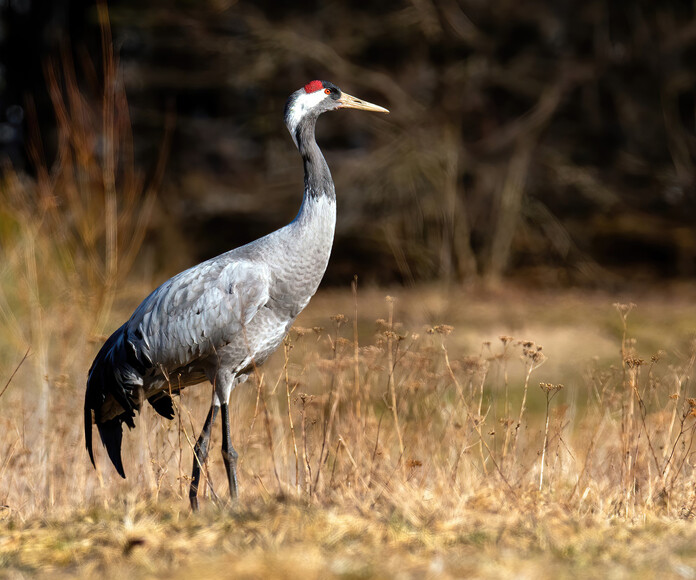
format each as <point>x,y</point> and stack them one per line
<point>349,102</point>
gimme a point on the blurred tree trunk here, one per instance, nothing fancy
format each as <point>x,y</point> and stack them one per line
<point>523,134</point>
<point>457,258</point>
<point>509,209</point>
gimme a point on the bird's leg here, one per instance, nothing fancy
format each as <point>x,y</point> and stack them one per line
<point>200,454</point>
<point>229,455</point>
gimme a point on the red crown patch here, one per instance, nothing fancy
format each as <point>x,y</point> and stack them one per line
<point>313,86</point>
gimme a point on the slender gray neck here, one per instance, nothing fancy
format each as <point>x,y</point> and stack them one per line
<point>318,181</point>
<point>305,243</point>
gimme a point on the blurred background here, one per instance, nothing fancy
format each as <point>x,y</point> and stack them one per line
<point>545,142</point>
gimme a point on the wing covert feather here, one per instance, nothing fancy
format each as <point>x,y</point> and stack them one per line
<point>199,310</point>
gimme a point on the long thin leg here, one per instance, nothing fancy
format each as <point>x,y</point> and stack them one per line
<point>229,455</point>
<point>200,452</point>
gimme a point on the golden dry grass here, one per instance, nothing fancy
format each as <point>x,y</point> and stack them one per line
<point>464,498</point>
<point>291,540</point>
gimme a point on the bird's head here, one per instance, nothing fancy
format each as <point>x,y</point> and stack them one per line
<point>317,97</point>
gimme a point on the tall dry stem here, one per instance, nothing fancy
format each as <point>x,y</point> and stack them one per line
<point>533,358</point>
<point>390,381</point>
<point>334,398</point>
<point>304,398</point>
<point>286,352</point>
<point>629,365</point>
<point>551,391</point>
<point>356,350</point>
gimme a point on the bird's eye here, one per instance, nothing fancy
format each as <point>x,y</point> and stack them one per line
<point>327,91</point>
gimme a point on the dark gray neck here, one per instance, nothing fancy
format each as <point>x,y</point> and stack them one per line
<point>318,181</point>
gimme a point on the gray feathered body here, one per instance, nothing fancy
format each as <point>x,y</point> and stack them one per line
<point>219,319</point>
<point>216,320</point>
<point>222,313</point>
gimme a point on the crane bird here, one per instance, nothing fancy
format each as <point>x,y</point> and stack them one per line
<point>217,320</point>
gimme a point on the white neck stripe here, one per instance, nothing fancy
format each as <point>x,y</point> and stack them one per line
<point>302,105</point>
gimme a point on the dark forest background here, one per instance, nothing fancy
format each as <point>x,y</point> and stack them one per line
<point>550,142</point>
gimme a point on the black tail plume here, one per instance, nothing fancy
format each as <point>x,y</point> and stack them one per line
<point>111,433</point>
<point>110,396</point>
<point>88,434</point>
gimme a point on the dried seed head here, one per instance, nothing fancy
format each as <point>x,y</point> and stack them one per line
<point>391,335</point>
<point>338,318</point>
<point>550,388</point>
<point>657,356</point>
<point>504,339</point>
<point>532,352</point>
<point>624,309</point>
<point>443,329</point>
<point>305,398</point>
<point>633,362</point>
<point>300,331</point>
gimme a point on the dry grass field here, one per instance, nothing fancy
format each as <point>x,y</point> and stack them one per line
<point>423,432</point>
<point>379,442</point>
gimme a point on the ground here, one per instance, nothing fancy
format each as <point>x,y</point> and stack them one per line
<point>402,446</point>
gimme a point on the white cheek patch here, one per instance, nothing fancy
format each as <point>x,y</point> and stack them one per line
<point>302,105</point>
